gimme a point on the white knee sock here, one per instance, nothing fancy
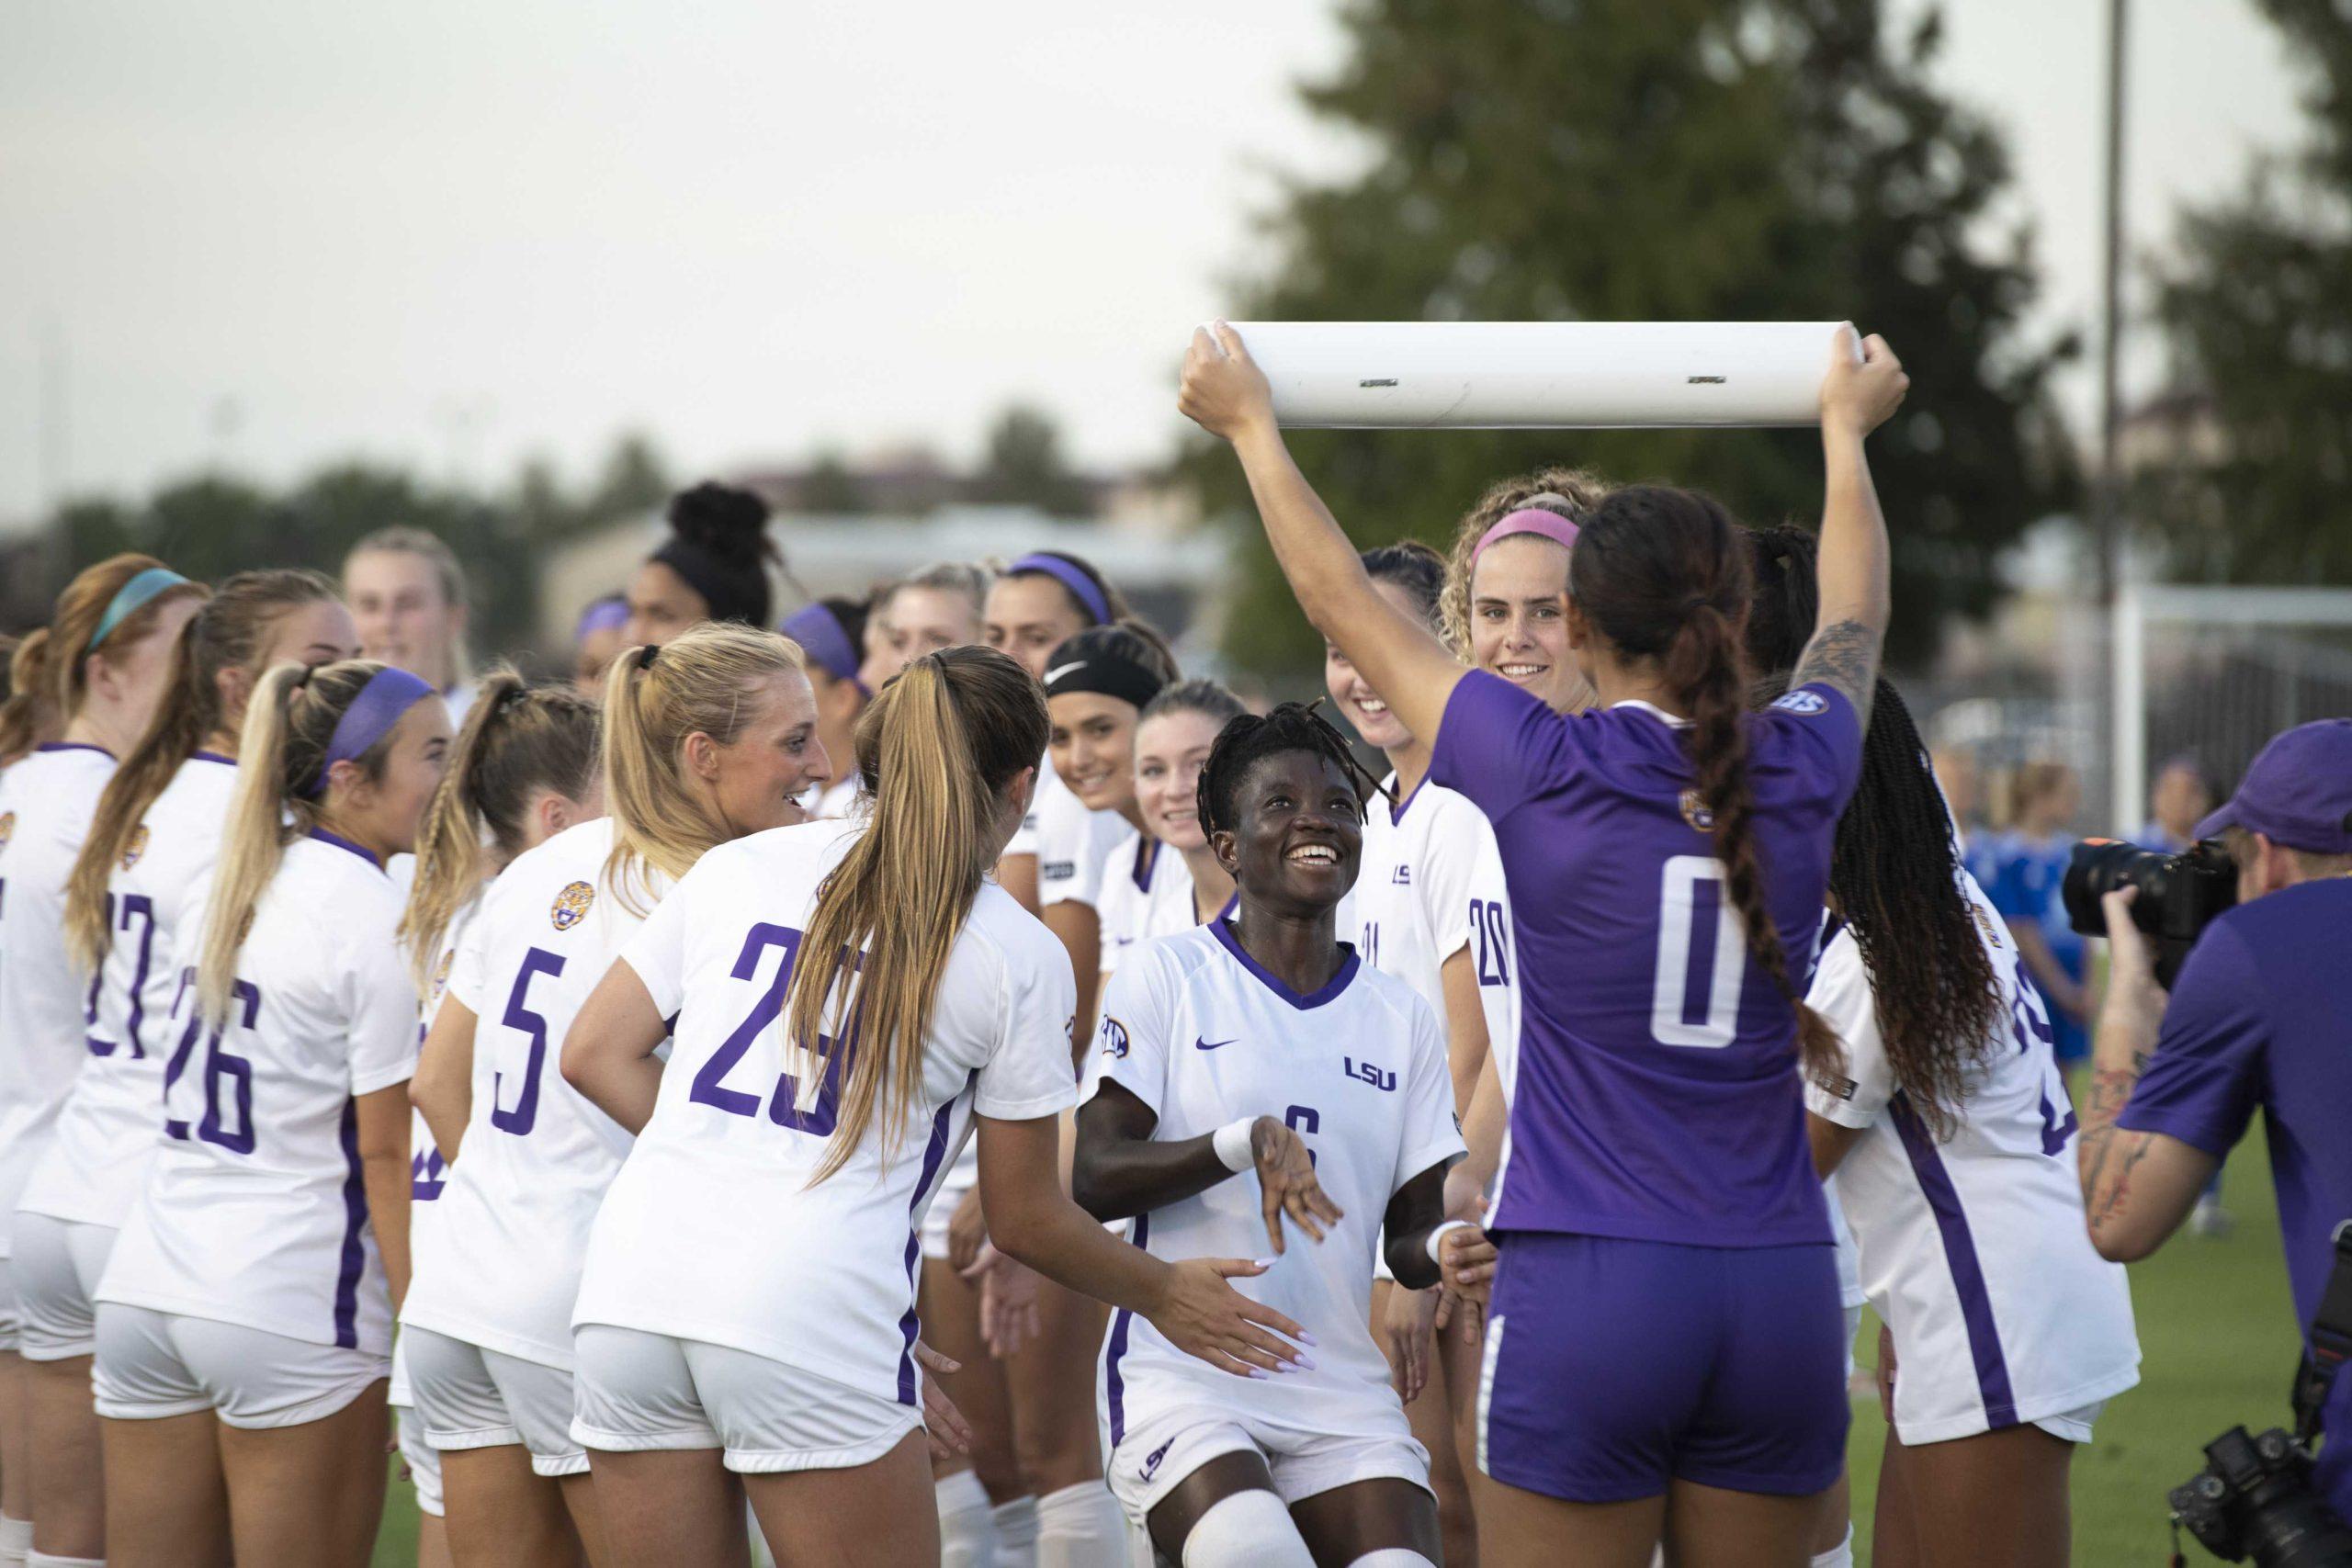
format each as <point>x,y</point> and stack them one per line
<point>1249,1529</point>
<point>43,1560</point>
<point>967,1539</point>
<point>1839,1556</point>
<point>1016,1532</point>
<point>15,1541</point>
<point>1080,1526</point>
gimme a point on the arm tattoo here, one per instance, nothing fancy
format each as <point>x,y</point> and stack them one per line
<point>2111,1089</point>
<point>1844,656</point>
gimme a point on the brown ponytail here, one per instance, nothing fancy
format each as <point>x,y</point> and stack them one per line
<point>230,632</point>
<point>28,717</point>
<point>47,677</point>
<point>937,749</point>
<point>1664,574</point>
<point>517,741</point>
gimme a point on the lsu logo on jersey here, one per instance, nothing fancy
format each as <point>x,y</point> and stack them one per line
<point>1696,812</point>
<point>571,905</point>
<point>1369,1072</point>
<point>134,847</point>
<point>1803,704</point>
<point>1113,1036</point>
<point>7,828</point>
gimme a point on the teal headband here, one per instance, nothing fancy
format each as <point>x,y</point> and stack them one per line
<point>129,597</point>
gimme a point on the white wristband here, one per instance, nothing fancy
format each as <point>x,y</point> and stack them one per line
<point>1437,1236</point>
<point>1232,1144</point>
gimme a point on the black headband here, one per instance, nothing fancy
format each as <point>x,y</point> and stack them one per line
<point>733,592</point>
<point>1107,673</point>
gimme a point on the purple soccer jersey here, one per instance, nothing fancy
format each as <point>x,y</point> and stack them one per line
<point>1655,1096</point>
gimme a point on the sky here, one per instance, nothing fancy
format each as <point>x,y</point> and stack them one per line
<point>266,235</point>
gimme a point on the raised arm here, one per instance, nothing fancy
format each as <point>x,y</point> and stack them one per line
<point>1851,569</point>
<point>1225,393</point>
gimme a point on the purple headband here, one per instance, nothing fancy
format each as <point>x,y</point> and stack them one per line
<point>1529,520</point>
<point>389,693</point>
<point>821,636</point>
<point>1090,597</point>
<point>608,613</point>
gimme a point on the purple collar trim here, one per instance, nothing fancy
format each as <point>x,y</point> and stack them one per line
<point>1396,808</point>
<point>339,842</point>
<point>211,757</point>
<point>1147,860</point>
<point>1315,998</point>
<point>72,746</point>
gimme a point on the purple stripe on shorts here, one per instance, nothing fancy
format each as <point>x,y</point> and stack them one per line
<point>1959,1253</point>
<point>354,1241</point>
<point>933,1155</point>
<point>1112,1383</point>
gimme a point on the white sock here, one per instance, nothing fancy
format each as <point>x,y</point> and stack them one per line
<point>1839,1556</point>
<point>1249,1529</point>
<point>761,1556</point>
<point>1016,1533</point>
<point>1392,1557</point>
<point>43,1560</point>
<point>967,1536</point>
<point>1080,1526</point>
<point>15,1541</point>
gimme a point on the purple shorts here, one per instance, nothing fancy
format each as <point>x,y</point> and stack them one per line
<point>1614,1367</point>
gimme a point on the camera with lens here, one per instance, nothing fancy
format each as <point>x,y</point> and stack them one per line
<point>2254,1500</point>
<point>2180,895</point>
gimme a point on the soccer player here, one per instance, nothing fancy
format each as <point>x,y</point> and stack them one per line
<point>1665,1248</point>
<point>714,566</point>
<point>940,605</point>
<point>1505,604</point>
<point>707,737</point>
<point>830,633</point>
<point>1164,878</point>
<point>524,769</point>
<point>1430,908</point>
<point>848,999</point>
<point>1262,1045</point>
<point>149,846</point>
<point>245,1322</point>
<point>408,596</point>
<point>596,641</point>
<point>100,667</point>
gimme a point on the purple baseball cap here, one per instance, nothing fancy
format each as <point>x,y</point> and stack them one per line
<point>2297,793</point>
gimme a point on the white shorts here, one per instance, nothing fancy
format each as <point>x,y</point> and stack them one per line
<point>638,1391</point>
<point>424,1461</point>
<point>1853,1331</point>
<point>1158,1452</point>
<point>58,1265</point>
<point>153,1365</point>
<point>473,1398</point>
<point>2075,1426</point>
<point>9,1324</point>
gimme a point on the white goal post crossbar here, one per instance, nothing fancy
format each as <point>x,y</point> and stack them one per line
<point>2140,608</point>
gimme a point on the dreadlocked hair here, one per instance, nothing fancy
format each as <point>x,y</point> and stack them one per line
<point>1291,727</point>
<point>1663,574</point>
<point>1571,492</point>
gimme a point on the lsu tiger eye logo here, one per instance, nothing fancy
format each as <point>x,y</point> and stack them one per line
<point>1113,1035</point>
<point>571,905</point>
<point>7,828</point>
<point>1695,812</point>
<point>135,847</point>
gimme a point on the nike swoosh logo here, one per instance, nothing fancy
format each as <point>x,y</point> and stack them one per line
<point>1202,1044</point>
<point>1058,670</point>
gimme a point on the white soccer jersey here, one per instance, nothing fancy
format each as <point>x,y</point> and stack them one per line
<point>504,1261</point>
<point>1074,845</point>
<point>1974,1250</point>
<point>46,802</point>
<point>712,1231</point>
<point>835,801</point>
<point>1193,1027</point>
<point>255,1212</point>
<point>111,1125</point>
<point>1146,892</point>
<point>1431,884</point>
<point>428,1173</point>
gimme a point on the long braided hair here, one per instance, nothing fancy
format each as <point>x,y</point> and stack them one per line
<point>1894,873</point>
<point>1663,574</point>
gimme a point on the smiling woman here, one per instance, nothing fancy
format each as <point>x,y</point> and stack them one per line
<point>1505,603</point>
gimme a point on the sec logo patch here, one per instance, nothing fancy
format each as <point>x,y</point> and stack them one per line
<point>1695,812</point>
<point>1113,1035</point>
<point>135,847</point>
<point>1802,703</point>
<point>571,905</point>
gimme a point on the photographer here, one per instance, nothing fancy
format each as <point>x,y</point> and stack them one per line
<point>2260,1015</point>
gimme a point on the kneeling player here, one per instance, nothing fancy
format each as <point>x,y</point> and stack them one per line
<point>1263,1044</point>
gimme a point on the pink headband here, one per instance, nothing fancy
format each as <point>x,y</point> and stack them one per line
<point>1529,520</point>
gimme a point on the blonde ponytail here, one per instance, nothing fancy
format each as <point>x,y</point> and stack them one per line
<point>517,741</point>
<point>937,746</point>
<point>702,681</point>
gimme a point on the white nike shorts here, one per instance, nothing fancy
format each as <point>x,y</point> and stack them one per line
<point>468,1397</point>
<point>2075,1426</point>
<point>152,1365</point>
<point>424,1461</point>
<point>640,1390</point>
<point>58,1265</point>
<point>1162,1449</point>
<point>8,1322</point>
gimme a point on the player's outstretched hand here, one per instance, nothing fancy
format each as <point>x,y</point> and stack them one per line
<point>1411,1329</point>
<point>1202,1315</point>
<point>1222,390</point>
<point>944,1425</point>
<point>1858,396</point>
<point>1286,1183</point>
<point>1010,1316</point>
<point>967,1231</point>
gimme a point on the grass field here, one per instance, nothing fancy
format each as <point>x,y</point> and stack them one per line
<point>2216,1330</point>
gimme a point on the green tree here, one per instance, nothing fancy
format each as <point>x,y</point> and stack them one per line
<point>2256,308</point>
<point>634,479</point>
<point>1024,465</point>
<point>832,488</point>
<point>1538,160</point>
